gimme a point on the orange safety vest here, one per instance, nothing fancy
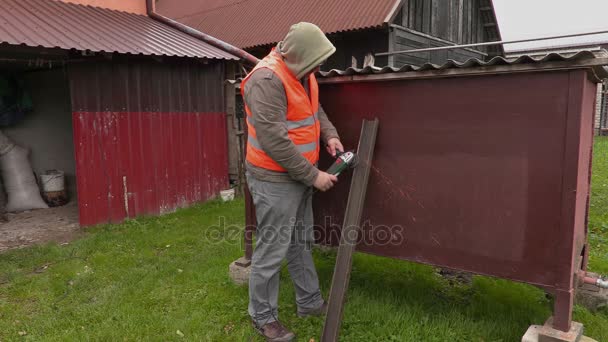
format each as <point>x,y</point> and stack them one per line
<point>303,126</point>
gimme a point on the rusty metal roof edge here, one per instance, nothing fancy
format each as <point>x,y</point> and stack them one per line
<point>582,59</point>
<point>214,58</point>
<point>101,30</point>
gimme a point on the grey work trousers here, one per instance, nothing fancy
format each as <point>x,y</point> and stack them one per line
<point>285,231</point>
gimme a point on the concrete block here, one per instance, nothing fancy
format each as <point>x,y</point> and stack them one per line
<point>239,271</point>
<point>532,334</point>
<point>546,333</point>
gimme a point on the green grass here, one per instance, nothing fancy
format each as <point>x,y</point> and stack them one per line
<point>598,213</point>
<point>166,279</point>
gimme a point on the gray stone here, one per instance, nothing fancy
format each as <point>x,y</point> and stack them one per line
<point>239,271</point>
<point>591,296</point>
<point>455,277</point>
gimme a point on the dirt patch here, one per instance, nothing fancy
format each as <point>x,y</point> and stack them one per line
<point>24,229</point>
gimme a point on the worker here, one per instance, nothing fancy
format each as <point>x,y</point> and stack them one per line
<point>286,125</point>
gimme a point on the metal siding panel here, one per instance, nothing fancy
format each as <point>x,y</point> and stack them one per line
<point>200,148</point>
<point>124,129</point>
<point>186,86</point>
<point>139,170</point>
<point>208,161</point>
<point>82,157</point>
<point>157,181</point>
<point>135,109</point>
<point>93,184</point>
<point>190,135</point>
<point>170,158</point>
<point>454,188</point>
<point>180,158</point>
<point>112,167</point>
<point>194,148</point>
<point>188,142</point>
<point>205,151</point>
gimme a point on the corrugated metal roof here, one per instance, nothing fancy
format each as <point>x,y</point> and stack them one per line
<point>55,24</point>
<point>558,48</point>
<point>594,60</point>
<point>540,61</point>
<point>260,22</point>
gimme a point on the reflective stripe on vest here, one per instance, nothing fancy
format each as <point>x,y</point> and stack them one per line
<point>294,124</point>
<point>303,123</point>
<point>302,148</point>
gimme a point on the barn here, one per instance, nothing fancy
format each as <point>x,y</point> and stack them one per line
<point>129,108</point>
<point>358,29</point>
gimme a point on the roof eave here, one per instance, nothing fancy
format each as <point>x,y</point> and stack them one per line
<point>498,65</point>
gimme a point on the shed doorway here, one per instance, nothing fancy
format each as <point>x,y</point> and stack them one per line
<point>44,127</point>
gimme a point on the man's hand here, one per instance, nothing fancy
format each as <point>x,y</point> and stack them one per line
<point>334,145</point>
<point>325,181</point>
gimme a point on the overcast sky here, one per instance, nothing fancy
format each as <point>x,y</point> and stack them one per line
<point>521,19</point>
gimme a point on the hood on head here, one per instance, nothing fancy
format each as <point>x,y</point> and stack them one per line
<point>304,48</point>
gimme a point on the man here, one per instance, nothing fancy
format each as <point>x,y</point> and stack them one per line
<point>285,125</point>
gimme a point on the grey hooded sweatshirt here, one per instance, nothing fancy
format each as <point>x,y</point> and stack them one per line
<point>303,49</point>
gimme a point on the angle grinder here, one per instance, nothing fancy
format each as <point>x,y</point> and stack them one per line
<point>344,161</point>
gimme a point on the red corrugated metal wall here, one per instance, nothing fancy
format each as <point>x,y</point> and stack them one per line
<point>150,136</point>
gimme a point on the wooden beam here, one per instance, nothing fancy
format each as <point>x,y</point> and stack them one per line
<point>433,38</point>
<point>350,231</point>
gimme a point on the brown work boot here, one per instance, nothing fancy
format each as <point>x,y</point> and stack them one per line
<point>275,332</point>
<point>320,311</point>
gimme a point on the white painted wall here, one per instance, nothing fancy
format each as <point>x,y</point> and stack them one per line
<point>47,131</point>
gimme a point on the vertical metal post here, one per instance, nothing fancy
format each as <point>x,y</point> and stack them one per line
<point>250,224</point>
<point>250,217</point>
<point>232,125</point>
<point>350,232</point>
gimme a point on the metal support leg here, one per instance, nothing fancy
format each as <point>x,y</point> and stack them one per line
<point>250,224</point>
<point>562,311</point>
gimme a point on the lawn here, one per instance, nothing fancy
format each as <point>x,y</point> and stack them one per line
<point>166,279</point>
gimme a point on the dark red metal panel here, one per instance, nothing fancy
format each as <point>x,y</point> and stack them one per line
<point>487,174</point>
<point>172,172</point>
<point>149,136</point>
